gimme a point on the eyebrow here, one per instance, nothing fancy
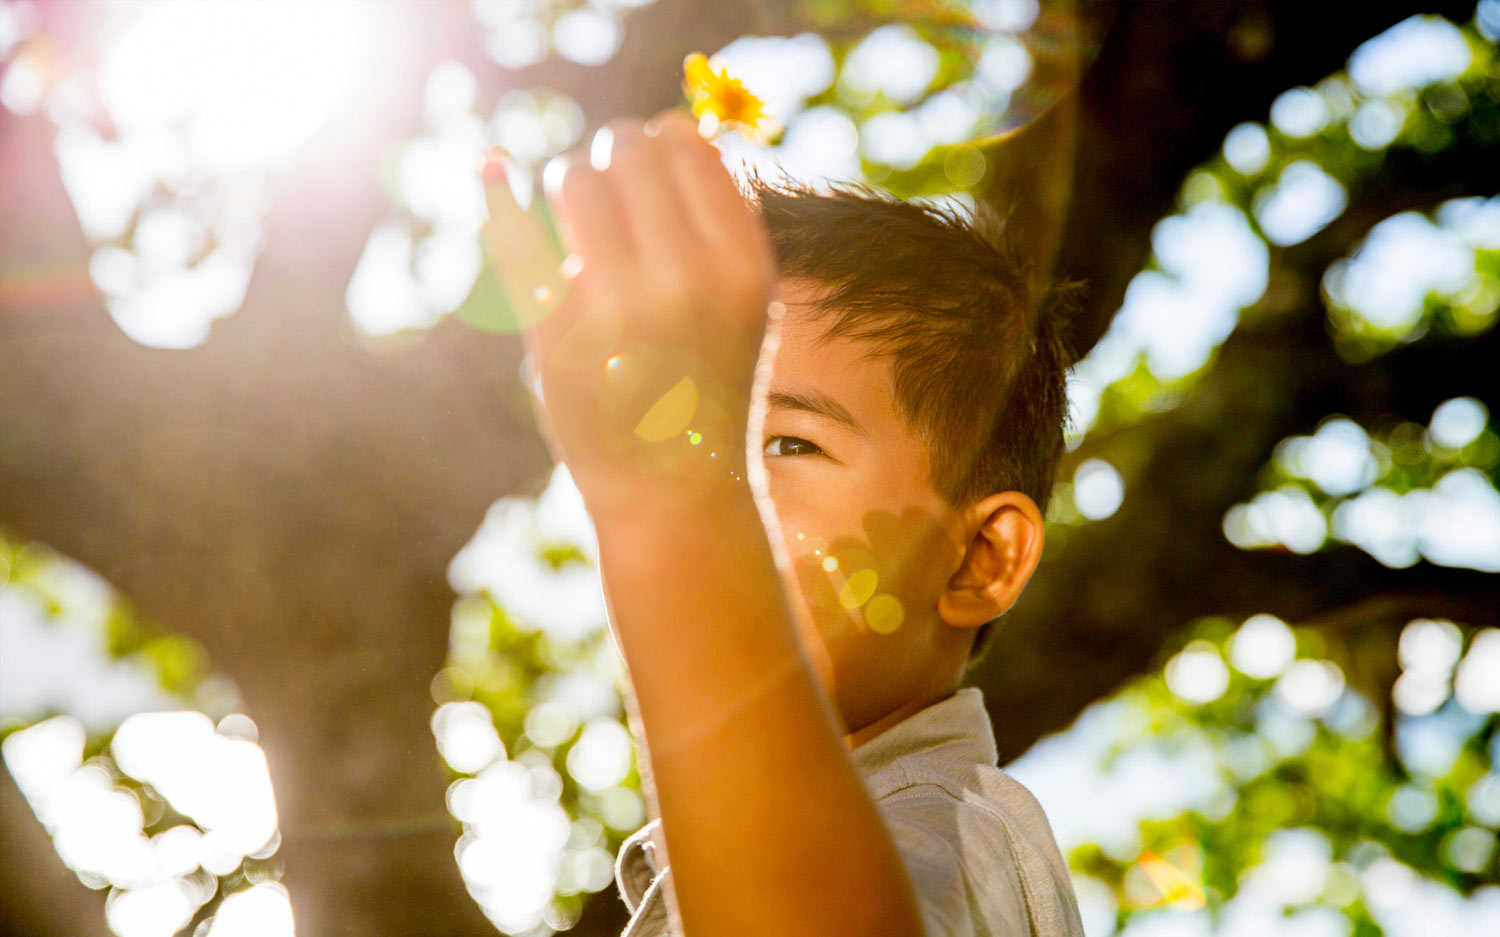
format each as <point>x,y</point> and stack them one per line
<point>814,402</point>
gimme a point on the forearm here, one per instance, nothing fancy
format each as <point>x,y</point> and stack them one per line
<point>672,292</point>
<point>767,825</point>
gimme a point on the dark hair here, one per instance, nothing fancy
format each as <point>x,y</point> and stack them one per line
<point>978,355</point>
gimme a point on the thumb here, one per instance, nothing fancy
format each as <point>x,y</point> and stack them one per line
<point>524,254</point>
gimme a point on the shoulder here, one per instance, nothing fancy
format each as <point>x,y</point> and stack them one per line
<point>981,857</point>
<point>975,843</point>
<point>963,880</point>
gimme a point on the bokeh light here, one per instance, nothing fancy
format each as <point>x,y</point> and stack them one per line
<point>1148,793</point>
<point>1197,673</point>
<point>1098,489</point>
<point>548,786</point>
<point>1419,51</point>
<point>1302,201</point>
<point>1381,295</point>
<point>1262,647</point>
<point>1413,493</point>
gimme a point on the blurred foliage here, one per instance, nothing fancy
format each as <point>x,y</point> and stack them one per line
<point>529,643</point>
<point>981,71</point>
<point>1285,759</point>
<point>68,591</point>
<point>116,663</point>
<point>1425,120</point>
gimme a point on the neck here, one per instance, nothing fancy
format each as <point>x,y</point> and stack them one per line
<point>910,708</point>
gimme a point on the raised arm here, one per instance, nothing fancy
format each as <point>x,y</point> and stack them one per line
<point>646,369</point>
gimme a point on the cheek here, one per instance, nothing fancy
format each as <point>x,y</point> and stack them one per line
<point>849,592</point>
<point>891,576</point>
<point>861,572</point>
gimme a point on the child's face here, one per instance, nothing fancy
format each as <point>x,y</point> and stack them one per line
<point>871,541</point>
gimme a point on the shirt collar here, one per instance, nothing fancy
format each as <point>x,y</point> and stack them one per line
<point>955,730</point>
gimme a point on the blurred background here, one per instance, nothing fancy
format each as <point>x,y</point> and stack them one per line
<point>271,651</point>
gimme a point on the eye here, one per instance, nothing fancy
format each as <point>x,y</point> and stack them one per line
<point>790,446</point>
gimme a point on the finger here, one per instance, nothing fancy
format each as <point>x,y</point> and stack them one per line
<point>718,211</point>
<point>525,257</point>
<point>660,228</point>
<point>592,221</point>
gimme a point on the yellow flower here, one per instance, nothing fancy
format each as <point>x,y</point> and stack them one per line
<point>719,100</point>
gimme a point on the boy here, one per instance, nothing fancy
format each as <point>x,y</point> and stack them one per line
<point>767,637</point>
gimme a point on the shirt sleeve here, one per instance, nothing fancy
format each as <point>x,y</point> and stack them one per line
<point>959,865</point>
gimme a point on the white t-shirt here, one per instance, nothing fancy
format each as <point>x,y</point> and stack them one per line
<point>975,843</point>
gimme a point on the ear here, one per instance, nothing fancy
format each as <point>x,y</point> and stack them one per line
<point>1004,544</point>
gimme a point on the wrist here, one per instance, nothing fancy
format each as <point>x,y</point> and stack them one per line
<point>630,498</point>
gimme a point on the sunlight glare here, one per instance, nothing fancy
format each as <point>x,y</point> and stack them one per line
<point>1420,692</point>
<point>550,724</point>
<point>1294,868</point>
<point>951,117</point>
<point>19,20</point>
<point>57,658</point>
<point>177,307</point>
<point>1004,65</point>
<point>450,94</point>
<point>820,146</point>
<point>22,86</point>
<point>106,180</point>
<point>253,83</point>
<point>503,559</point>
<point>98,827</point>
<point>1470,849</point>
<point>1382,523</point>
<point>1412,808</point>
<point>177,849</point>
<point>1482,799</point>
<point>201,101</point>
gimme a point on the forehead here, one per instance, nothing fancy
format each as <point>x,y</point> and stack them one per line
<point>846,369</point>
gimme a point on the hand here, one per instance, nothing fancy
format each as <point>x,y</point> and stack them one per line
<point>645,366</point>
